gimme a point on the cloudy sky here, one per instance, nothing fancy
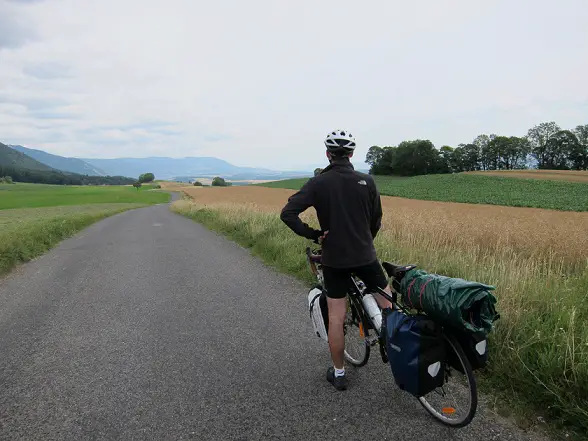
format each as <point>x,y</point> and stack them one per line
<point>261,82</point>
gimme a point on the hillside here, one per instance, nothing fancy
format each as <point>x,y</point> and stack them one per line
<point>190,167</point>
<point>22,168</point>
<point>15,159</point>
<point>72,165</point>
<point>476,189</point>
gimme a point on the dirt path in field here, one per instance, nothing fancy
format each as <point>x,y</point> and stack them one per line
<point>553,175</point>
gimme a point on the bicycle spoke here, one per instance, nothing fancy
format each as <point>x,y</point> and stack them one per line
<point>455,402</point>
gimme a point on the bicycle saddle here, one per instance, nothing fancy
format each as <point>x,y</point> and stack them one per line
<point>397,271</point>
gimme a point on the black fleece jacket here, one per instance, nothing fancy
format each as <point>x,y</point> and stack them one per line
<point>348,205</point>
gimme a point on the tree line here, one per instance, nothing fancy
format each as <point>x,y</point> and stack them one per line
<point>18,174</point>
<point>546,146</point>
<point>217,181</point>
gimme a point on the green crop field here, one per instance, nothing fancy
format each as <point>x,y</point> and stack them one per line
<point>475,189</point>
<point>39,195</point>
<point>35,217</point>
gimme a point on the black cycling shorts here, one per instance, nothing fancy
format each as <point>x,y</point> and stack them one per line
<point>338,280</point>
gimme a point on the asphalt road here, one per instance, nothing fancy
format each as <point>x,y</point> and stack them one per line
<point>146,326</point>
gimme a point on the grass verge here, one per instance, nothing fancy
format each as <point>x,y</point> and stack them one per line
<point>539,349</point>
<point>29,232</point>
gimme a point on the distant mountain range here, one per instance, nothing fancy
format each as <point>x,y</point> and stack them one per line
<point>162,167</point>
<point>72,165</point>
<point>183,169</point>
<point>194,167</point>
<point>189,168</point>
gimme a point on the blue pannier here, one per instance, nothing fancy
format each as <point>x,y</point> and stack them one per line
<point>416,351</point>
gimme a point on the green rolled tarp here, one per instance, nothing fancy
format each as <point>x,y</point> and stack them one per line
<point>458,303</point>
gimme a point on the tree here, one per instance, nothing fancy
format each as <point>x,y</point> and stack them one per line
<point>518,152</point>
<point>418,157</point>
<point>6,180</point>
<point>580,160</point>
<point>471,157</point>
<point>539,137</point>
<point>385,166</point>
<point>374,155</point>
<point>197,184</point>
<point>457,163</point>
<point>379,159</point>
<point>137,185</point>
<point>447,153</point>
<point>146,177</point>
<point>220,182</point>
<point>506,153</point>
<point>562,151</point>
<point>55,177</point>
<point>485,156</point>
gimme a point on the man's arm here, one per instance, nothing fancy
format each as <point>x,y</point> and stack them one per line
<point>376,221</point>
<point>297,203</point>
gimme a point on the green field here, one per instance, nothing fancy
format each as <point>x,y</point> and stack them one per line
<point>475,189</point>
<point>35,217</point>
<point>39,195</point>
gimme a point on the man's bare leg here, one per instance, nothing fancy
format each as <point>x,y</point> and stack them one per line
<point>337,309</point>
<point>382,301</point>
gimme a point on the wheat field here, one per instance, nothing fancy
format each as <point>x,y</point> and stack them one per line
<point>545,234</point>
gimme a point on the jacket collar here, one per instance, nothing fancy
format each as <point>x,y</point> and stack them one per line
<point>339,163</point>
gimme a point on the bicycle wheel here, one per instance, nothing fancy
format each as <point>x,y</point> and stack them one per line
<point>454,404</point>
<point>357,348</point>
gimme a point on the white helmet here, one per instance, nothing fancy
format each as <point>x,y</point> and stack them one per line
<point>340,140</point>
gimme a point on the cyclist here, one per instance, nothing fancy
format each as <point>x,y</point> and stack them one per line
<point>349,211</point>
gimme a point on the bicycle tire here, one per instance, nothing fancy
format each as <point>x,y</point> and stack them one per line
<point>358,318</point>
<point>454,345</point>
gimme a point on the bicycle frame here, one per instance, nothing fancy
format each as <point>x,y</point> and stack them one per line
<point>356,292</point>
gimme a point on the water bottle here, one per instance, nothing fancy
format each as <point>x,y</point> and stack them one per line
<point>372,310</point>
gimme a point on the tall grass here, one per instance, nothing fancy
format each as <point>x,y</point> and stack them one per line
<point>29,232</point>
<point>539,347</point>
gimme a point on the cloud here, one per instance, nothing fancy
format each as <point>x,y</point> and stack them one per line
<point>44,114</point>
<point>260,83</point>
<point>46,70</point>
<point>34,104</point>
<point>215,137</point>
<point>14,31</point>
